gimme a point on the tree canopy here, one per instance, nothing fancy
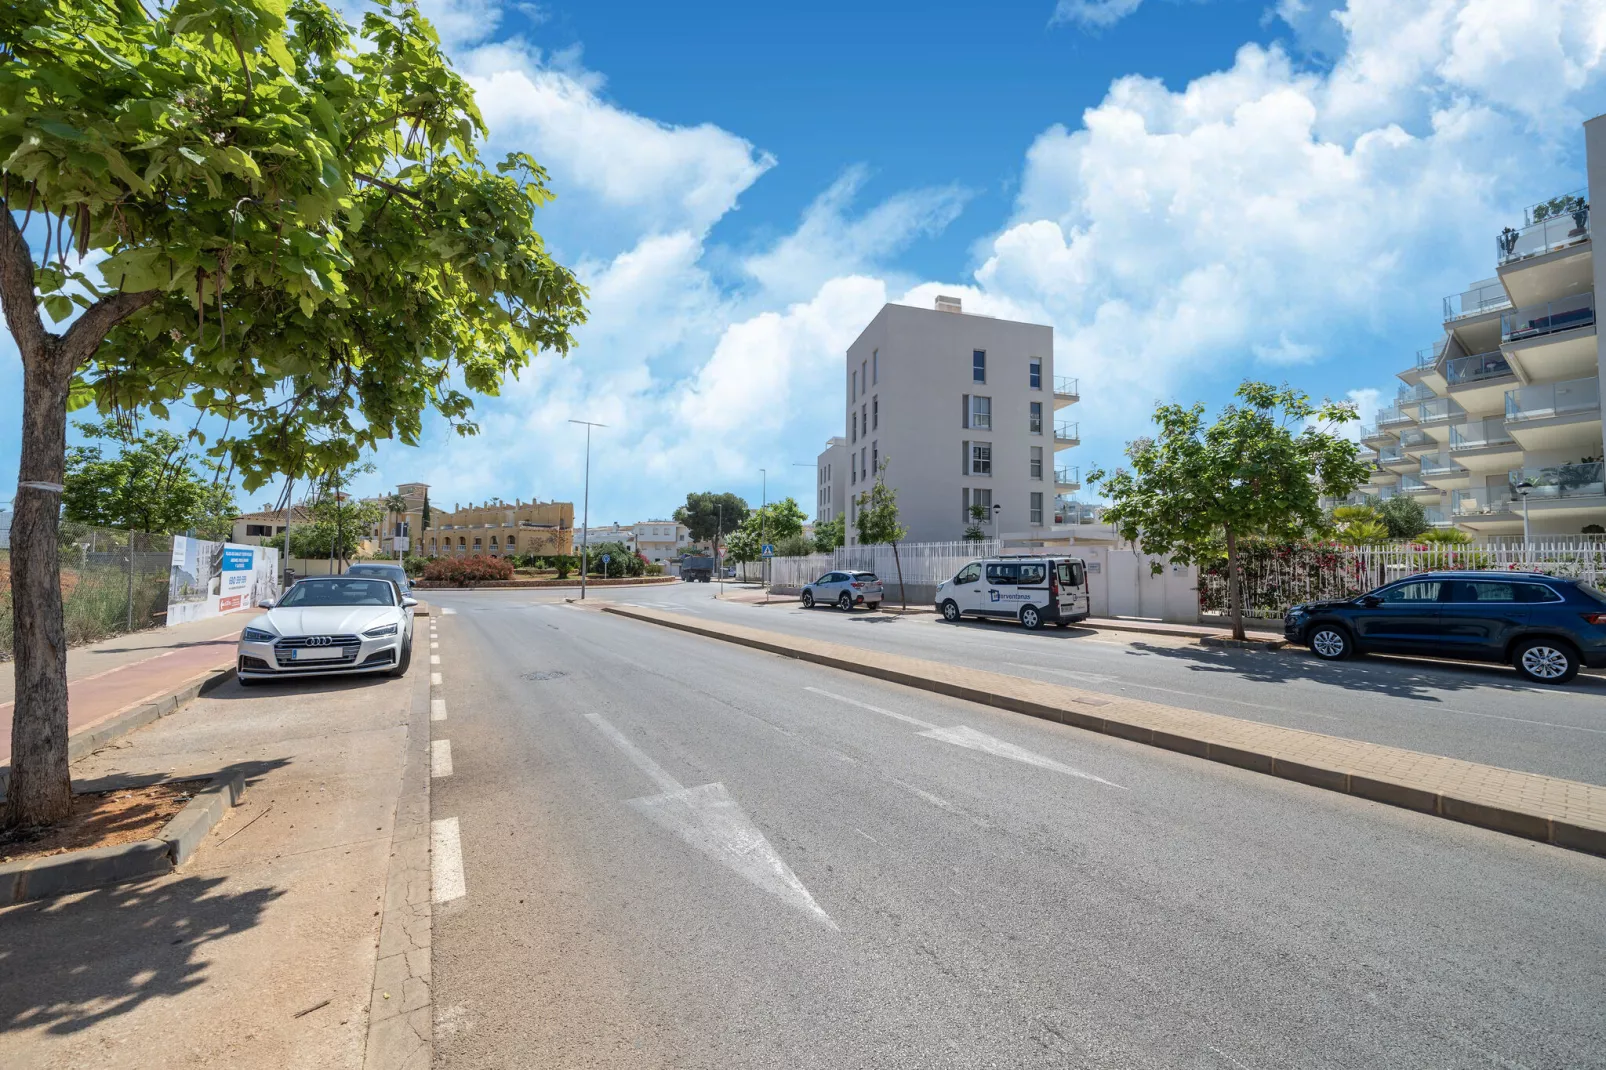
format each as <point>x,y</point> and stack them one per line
<point>830,534</point>
<point>150,484</point>
<point>771,524</point>
<point>1259,470</point>
<point>703,517</point>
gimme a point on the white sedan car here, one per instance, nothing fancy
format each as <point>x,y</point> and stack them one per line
<point>329,625</point>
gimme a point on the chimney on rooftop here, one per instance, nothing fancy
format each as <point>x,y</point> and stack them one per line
<point>947,304</point>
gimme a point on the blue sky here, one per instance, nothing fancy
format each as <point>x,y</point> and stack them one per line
<point>1189,192</point>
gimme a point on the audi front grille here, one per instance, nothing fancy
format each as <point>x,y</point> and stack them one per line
<point>348,644</point>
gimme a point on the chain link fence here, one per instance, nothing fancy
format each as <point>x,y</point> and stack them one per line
<point>112,582</point>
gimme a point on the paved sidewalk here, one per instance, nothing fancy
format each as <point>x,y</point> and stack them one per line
<point>116,674</point>
<point>261,951</point>
<point>1566,812</point>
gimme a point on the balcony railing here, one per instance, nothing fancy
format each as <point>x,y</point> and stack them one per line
<point>1064,384</point>
<point>1553,224</point>
<point>1476,368</point>
<point>1480,501</point>
<point>1067,432</point>
<point>1384,493</point>
<point>1072,476</point>
<point>1441,465</point>
<point>1370,431</point>
<point>1413,437</point>
<point>1562,481</point>
<point>1429,356</point>
<point>1545,400</point>
<point>1412,483</point>
<point>1439,409</point>
<point>1486,296</point>
<point>1479,434</point>
<point>1435,517</point>
<point>1394,416</point>
<point>1534,321</point>
<point>1390,455</point>
<point>1408,395</point>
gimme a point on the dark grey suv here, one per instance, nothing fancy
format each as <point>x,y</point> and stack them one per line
<point>1544,626</point>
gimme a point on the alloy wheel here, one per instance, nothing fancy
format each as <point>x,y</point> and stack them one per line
<point>1328,643</point>
<point>1545,662</point>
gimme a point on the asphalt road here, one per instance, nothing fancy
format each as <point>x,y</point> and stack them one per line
<point>681,853</point>
<point>1483,713</point>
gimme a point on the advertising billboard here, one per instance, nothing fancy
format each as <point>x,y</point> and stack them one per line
<point>209,578</point>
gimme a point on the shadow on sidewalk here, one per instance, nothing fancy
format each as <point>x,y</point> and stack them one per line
<point>68,964</point>
<point>1398,677</point>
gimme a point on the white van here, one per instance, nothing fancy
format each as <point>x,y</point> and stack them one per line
<point>1033,590</point>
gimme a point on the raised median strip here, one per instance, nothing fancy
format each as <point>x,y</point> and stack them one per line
<point>1567,813</point>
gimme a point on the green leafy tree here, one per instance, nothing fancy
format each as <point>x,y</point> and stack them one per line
<point>294,233</point>
<point>149,485</point>
<point>877,521</point>
<point>622,560</point>
<point>334,532</point>
<point>1359,524</point>
<point>794,546</point>
<point>1404,517</point>
<point>978,516</point>
<point>1259,470</point>
<point>830,534</point>
<point>425,520</point>
<point>708,514</point>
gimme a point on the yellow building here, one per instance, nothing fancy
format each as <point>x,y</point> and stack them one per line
<point>494,528</point>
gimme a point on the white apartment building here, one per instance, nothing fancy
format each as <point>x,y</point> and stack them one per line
<point>830,480</point>
<point>964,410</point>
<point>1503,412</point>
<point>661,541</point>
<point>625,533</point>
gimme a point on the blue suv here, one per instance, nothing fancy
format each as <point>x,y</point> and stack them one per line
<point>1544,626</point>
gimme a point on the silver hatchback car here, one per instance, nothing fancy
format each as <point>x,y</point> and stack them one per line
<point>844,589</point>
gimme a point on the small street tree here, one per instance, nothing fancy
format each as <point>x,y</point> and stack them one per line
<point>1359,524</point>
<point>292,231</point>
<point>148,485</point>
<point>978,517</point>
<point>1404,517</point>
<point>830,534</point>
<point>707,514</point>
<point>1260,469</point>
<point>877,521</point>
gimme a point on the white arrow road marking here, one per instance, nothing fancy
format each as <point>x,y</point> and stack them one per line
<point>711,821</point>
<point>440,758</point>
<point>446,861</point>
<point>965,736</point>
<point>437,709</point>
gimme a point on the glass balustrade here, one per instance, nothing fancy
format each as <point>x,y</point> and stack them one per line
<point>1439,409</point>
<point>1587,480</point>
<point>1548,317</point>
<point>1393,416</point>
<point>1479,434</point>
<point>1486,296</point>
<point>1441,465</point>
<point>1476,368</point>
<point>1547,226</point>
<point>1543,401</point>
<point>1480,501</point>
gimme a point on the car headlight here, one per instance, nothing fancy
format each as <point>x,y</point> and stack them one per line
<point>380,633</point>
<point>257,635</point>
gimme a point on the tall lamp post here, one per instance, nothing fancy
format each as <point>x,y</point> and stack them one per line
<point>1522,490</point>
<point>764,504</point>
<point>585,522</point>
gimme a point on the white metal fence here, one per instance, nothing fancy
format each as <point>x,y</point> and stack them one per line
<point>924,563</point>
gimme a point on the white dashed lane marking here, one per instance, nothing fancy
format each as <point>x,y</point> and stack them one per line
<point>446,860</point>
<point>437,709</point>
<point>434,659</point>
<point>440,758</point>
<point>434,679</point>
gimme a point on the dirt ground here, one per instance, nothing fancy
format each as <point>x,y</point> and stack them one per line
<point>103,819</point>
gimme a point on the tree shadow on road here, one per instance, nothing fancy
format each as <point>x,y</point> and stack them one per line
<point>1398,677</point>
<point>68,964</point>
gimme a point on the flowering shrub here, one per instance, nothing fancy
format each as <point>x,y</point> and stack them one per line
<point>468,570</point>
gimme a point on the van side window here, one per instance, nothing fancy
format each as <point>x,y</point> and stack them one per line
<point>1033,575</point>
<point>1002,575</point>
<point>1071,573</point>
<point>969,574</point>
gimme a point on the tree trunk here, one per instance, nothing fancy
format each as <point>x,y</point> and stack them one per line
<point>40,789</point>
<point>903,596</point>
<point>1235,604</point>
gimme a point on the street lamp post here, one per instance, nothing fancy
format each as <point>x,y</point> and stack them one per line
<point>585,522</point>
<point>1522,490</point>
<point>764,504</point>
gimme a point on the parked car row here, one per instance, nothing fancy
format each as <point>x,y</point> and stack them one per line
<point>360,622</point>
<point>1033,590</point>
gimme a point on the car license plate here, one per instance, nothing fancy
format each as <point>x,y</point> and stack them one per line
<point>316,653</point>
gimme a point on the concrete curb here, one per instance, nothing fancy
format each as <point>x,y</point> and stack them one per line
<point>79,871</point>
<point>87,741</point>
<point>1508,819</point>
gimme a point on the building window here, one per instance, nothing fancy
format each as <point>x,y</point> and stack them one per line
<point>875,412</point>
<point>964,504</point>
<point>260,530</point>
<point>864,456</point>
<point>864,373</point>
<point>854,417</point>
<point>981,458</point>
<point>476,544</point>
<point>510,542</point>
<point>1034,373</point>
<point>875,457</point>
<point>1037,462</point>
<point>1037,508</point>
<point>978,365</point>
<point>875,366</point>
<point>1035,421</point>
<point>853,463</point>
<point>983,496</point>
<point>864,418</point>
<point>981,412</point>
<point>855,395</point>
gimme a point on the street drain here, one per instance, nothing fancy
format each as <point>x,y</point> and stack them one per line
<point>546,674</point>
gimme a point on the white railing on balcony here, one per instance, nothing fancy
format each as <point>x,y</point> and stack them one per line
<point>1547,226</point>
<point>1480,366</point>
<point>1486,296</point>
<point>1439,465</point>
<point>1562,314</point>
<point>1439,409</point>
<point>1480,501</point>
<point>1561,481</point>
<point>1545,400</point>
<point>1066,432</point>
<point>1064,384</point>
<point>1478,434</point>
<point>1393,416</point>
<point>1065,476</point>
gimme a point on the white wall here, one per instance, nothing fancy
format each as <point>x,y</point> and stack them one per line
<point>1122,584</point>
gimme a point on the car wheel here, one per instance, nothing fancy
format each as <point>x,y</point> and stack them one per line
<point>808,599</point>
<point>1032,619</point>
<point>950,612</point>
<point>1546,661</point>
<point>1330,644</point>
<point>872,606</point>
<point>845,603</point>
<point>406,660</point>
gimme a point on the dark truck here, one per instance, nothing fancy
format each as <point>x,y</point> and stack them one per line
<point>696,569</point>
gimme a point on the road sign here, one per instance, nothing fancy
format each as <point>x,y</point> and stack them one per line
<point>769,550</point>
<point>605,558</point>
